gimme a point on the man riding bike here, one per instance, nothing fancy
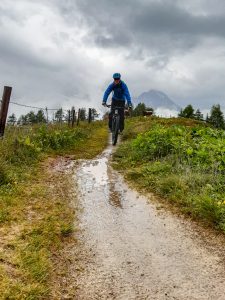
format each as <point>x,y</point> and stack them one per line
<point>120,95</point>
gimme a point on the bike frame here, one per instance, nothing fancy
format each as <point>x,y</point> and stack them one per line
<point>115,123</point>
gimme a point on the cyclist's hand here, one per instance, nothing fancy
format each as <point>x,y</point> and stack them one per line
<point>130,107</point>
<point>103,103</point>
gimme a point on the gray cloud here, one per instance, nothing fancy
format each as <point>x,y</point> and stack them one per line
<point>61,53</point>
<point>148,24</point>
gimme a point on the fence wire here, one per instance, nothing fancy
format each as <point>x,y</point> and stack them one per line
<point>35,107</point>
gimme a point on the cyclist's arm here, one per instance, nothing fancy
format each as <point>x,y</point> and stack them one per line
<point>127,95</point>
<point>107,92</point>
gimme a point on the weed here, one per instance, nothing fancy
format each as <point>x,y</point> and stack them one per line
<point>66,229</point>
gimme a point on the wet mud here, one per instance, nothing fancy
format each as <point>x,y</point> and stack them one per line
<point>129,249</point>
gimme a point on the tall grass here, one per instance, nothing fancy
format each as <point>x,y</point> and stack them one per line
<point>22,147</point>
<point>36,219</point>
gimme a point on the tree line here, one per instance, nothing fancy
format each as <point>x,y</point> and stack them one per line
<point>60,116</point>
<point>215,117</point>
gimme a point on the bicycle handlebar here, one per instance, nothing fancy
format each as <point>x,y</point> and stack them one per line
<point>115,107</point>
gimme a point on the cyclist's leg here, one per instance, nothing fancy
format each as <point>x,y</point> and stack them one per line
<point>110,121</point>
<point>121,113</point>
<point>112,124</point>
<point>121,104</point>
<point>113,105</point>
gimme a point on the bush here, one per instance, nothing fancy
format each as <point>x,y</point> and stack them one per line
<point>202,147</point>
<point>60,138</point>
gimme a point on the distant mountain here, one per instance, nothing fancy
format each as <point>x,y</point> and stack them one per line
<point>156,99</point>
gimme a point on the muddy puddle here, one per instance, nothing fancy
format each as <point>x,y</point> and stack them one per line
<point>129,249</point>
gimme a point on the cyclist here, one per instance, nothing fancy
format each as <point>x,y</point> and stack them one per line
<point>120,95</point>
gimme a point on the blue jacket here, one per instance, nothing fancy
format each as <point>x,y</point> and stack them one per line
<point>120,92</point>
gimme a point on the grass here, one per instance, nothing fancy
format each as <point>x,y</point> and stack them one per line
<point>36,217</point>
<point>180,160</point>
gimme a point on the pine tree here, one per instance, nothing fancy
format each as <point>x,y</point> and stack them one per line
<point>139,110</point>
<point>83,114</point>
<point>68,116</point>
<point>188,112</point>
<point>23,120</point>
<point>40,117</point>
<point>216,117</point>
<point>31,117</point>
<point>94,114</point>
<point>181,114</point>
<point>198,115</point>
<point>12,120</point>
<point>59,115</point>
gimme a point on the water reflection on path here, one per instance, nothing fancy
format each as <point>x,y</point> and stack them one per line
<point>135,251</point>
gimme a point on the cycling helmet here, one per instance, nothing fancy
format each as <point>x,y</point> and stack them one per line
<point>116,76</point>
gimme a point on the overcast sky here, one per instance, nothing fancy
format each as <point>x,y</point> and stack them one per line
<point>61,53</point>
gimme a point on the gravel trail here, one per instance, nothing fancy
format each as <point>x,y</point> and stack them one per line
<point>130,248</point>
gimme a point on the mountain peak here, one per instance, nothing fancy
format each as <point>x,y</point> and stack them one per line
<point>156,99</point>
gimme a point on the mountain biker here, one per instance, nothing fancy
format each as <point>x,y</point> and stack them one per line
<point>120,94</point>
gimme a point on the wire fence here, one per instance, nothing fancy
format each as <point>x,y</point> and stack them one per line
<point>34,107</point>
<point>45,110</point>
<point>29,106</point>
<point>59,115</point>
<point>71,116</point>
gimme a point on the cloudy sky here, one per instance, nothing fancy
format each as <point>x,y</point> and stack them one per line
<point>61,53</point>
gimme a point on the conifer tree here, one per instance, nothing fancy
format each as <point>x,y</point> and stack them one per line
<point>83,114</point>
<point>216,117</point>
<point>12,119</point>
<point>139,110</point>
<point>198,115</point>
<point>188,112</point>
<point>59,115</point>
<point>40,117</point>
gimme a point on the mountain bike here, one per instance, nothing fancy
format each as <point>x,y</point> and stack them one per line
<point>115,123</point>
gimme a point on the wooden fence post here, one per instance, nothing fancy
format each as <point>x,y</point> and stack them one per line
<point>46,110</point>
<point>4,108</point>
<point>73,117</point>
<point>69,117</point>
<point>89,116</point>
<point>78,117</point>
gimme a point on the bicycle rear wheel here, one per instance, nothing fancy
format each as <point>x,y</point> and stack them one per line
<point>115,129</point>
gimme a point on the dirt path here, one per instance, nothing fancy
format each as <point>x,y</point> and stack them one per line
<point>131,249</point>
